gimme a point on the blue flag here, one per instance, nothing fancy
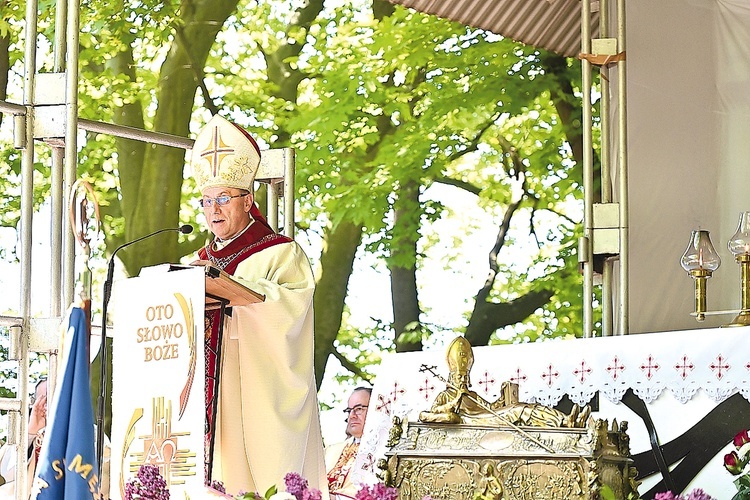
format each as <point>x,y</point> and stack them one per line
<point>67,464</point>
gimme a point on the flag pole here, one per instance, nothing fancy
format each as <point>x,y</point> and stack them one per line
<point>81,224</point>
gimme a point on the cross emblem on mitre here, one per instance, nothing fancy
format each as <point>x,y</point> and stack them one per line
<point>217,151</point>
<point>224,155</point>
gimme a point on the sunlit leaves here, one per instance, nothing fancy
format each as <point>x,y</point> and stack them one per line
<point>370,106</point>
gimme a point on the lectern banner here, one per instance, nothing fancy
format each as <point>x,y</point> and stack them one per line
<point>158,408</point>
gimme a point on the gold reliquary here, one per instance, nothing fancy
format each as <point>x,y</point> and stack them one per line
<point>465,447</point>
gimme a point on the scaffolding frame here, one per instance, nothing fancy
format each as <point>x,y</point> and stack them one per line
<point>605,223</point>
<point>49,115</point>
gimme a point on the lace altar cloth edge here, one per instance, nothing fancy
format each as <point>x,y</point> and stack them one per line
<point>716,361</point>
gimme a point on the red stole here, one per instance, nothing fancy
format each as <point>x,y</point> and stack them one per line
<point>257,237</point>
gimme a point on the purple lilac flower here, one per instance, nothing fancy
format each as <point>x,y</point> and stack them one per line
<point>149,484</point>
<point>667,495</point>
<point>699,494</point>
<point>218,486</point>
<point>378,491</point>
<point>312,494</point>
<point>248,495</point>
<point>295,484</point>
<point>696,494</point>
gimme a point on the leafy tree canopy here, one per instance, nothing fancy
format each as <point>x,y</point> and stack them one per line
<point>382,105</point>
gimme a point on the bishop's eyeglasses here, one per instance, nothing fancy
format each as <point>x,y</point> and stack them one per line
<point>208,202</point>
<point>357,410</point>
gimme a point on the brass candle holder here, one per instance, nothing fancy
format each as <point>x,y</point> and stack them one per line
<point>700,260</point>
<point>739,245</point>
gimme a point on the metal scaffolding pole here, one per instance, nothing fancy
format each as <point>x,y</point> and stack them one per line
<point>623,172</point>
<point>585,245</point>
<point>71,140</point>
<point>604,238</point>
<point>57,179</point>
<point>27,211</point>
<point>606,190</point>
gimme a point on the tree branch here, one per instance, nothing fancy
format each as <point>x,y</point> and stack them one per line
<point>474,143</point>
<point>352,367</point>
<point>466,186</point>
<point>200,76</point>
<point>488,316</point>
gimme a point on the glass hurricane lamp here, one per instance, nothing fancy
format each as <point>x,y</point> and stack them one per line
<point>739,245</point>
<point>700,260</point>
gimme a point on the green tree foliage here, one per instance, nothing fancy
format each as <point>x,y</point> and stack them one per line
<point>381,104</point>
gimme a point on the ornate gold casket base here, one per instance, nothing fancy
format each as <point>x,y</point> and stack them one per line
<point>458,461</point>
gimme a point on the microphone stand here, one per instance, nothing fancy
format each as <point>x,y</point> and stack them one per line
<point>184,229</point>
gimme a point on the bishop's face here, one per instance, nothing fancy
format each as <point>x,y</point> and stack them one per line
<point>226,221</point>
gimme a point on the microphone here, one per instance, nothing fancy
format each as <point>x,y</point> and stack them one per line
<point>184,229</point>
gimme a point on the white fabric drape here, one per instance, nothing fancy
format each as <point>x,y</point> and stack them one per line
<point>688,99</point>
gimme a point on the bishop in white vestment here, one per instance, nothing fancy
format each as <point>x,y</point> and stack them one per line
<point>267,416</point>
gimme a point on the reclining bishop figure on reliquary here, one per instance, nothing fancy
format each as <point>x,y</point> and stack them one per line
<point>459,404</point>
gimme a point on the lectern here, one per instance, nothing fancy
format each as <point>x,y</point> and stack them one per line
<point>158,389</point>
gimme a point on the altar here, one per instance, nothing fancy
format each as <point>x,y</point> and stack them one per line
<point>686,391</point>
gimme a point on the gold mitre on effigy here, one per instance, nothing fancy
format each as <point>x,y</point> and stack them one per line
<point>224,155</point>
<point>460,356</point>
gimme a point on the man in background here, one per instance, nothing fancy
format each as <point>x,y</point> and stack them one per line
<point>340,457</point>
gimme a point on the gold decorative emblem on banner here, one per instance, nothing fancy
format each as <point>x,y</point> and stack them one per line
<point>161,447</point>
<point>187,312</point>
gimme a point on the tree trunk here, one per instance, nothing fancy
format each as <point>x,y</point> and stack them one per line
<point>403,267</point>
<point>4,61</point>
<point>336,264</point>
<point>159,187</point>
<point>130,153</point>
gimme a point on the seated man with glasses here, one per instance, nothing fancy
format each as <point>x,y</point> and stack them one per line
<point>266,421</point>
<point>340,457</point>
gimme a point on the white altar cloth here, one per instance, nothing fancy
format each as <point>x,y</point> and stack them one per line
<point>701,366</point>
